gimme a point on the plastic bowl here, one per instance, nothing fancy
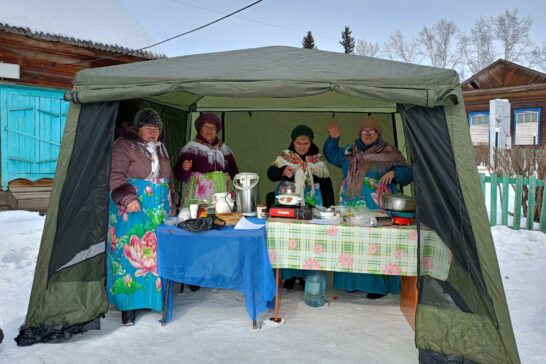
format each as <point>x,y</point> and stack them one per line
<point>171,220</point>
<point>327,215</point>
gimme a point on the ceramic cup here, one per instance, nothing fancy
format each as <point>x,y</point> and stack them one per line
<point>193,210</point>
<point>260,211</point>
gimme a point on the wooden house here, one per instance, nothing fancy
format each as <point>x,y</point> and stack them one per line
<point>524,88</point>
<point>32,106</point>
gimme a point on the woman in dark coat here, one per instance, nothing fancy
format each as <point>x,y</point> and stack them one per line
<point>302,164</point>
<point>141,194</point>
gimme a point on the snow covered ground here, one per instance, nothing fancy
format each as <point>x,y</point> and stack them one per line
<point>212,325</point>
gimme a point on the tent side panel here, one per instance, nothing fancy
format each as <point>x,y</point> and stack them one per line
<point>68,302</point>
<point>83,209</point>
<point>465,160</point>
<point>441,206</point>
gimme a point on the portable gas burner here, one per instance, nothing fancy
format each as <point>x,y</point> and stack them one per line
<point>291,212</point>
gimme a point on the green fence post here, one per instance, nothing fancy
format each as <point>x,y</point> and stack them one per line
<point>505,192</point>
<point>493,202</point>
<point>517,202</point>
<point>482,183</point>
<point>531,195</point>
<point>543,210</point>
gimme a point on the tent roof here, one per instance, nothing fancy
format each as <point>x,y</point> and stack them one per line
<point>259,72</point>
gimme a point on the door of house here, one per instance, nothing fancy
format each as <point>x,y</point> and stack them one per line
<point>32,123</point>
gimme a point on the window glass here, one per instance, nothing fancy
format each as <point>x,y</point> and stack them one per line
<point>527,126</point>
<point>479,127</point>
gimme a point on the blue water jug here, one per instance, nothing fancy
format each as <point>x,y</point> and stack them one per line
<point>315,289</point>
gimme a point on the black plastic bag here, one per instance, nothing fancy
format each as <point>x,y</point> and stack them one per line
<point>202,224</point>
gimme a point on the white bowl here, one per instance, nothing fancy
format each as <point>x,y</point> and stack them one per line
<point>171,220</point>
<point>327,214</point>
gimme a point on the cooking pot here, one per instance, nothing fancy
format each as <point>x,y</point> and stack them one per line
<point>398,202</point>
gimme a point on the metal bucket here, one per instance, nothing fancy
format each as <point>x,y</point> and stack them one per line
<point>246,187</point>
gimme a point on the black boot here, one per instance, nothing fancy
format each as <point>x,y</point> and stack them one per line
<point>374,296</point>
<point>289,283</point>
<point>128,317</point>
<point>194,288</point>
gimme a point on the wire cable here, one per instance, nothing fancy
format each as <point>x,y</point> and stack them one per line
<point>37,73</point>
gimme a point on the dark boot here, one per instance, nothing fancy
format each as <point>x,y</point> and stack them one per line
<point>374,296</point>
<point>289,283</point>
<point>128,317</point>
<point>194,288</point>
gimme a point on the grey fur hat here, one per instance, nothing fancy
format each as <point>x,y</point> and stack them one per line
<point>147,117</point>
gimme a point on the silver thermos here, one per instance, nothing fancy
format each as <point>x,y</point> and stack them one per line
<point>246,188</point>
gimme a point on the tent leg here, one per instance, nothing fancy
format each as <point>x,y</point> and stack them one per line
<point>408,298</point>
<point>166,297</point>
<point>276,318</point>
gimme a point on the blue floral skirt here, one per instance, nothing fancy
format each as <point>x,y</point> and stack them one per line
<point>132,281</point>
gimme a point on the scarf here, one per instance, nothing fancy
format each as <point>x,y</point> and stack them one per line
<point>304,169</point>
<point>214,152</point>
<point>379,156</point>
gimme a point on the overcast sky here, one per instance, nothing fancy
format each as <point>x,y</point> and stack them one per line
<point>285,22</point>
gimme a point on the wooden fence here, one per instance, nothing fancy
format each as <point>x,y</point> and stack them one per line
<point>505,183</point>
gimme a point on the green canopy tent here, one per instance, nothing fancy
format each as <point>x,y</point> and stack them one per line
<point>261,94</point>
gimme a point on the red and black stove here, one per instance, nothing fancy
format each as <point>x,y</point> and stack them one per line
<point>291,212</point>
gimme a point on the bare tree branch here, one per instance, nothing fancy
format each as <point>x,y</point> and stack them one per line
<point>513,33</point>
<point>538,57</point>
<point>367,48</point>
<point>396,47</point>
<point>437,43</point>
<point>477,49</point>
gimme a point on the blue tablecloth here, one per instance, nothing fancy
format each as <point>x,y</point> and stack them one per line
<point>225,258</point>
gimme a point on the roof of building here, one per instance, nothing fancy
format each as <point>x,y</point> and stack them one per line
<point>78,42</point>
<point>503,74</point>
<point>98,24</point>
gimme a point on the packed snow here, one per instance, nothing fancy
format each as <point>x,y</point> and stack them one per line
<point>211,325</point>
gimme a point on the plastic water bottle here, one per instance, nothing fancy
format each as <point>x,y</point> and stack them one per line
<point>315,289</point>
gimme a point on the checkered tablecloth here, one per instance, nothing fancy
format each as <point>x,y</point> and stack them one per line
<point>390,250</point>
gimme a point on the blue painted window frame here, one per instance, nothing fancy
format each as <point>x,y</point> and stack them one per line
<point>474,113</point>
<point>523,110</point>
<point>35,91</point>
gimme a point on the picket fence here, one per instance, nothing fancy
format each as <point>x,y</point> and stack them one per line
<point>516,183</point>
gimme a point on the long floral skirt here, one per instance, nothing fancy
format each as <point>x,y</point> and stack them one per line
<point>132,281</point>
<point>371,283</point>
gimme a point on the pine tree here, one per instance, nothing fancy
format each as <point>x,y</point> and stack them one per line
<point>308,41</point>
<point>347,40</point>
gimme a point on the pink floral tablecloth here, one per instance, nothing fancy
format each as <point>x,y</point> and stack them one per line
<point>390,250</point>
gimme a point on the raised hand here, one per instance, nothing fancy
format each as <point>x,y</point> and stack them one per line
<point>186,165</point>
<point>334,130</point>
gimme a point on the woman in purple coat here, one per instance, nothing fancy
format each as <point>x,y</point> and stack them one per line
<point>206,165</point>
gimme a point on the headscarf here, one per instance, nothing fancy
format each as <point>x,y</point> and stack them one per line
<point>147,117</point>
<point>371,123</point>
<point>302,130</point>
<point>208,117</point>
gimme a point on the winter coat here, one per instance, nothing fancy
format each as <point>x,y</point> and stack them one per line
<point>130,159</point>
